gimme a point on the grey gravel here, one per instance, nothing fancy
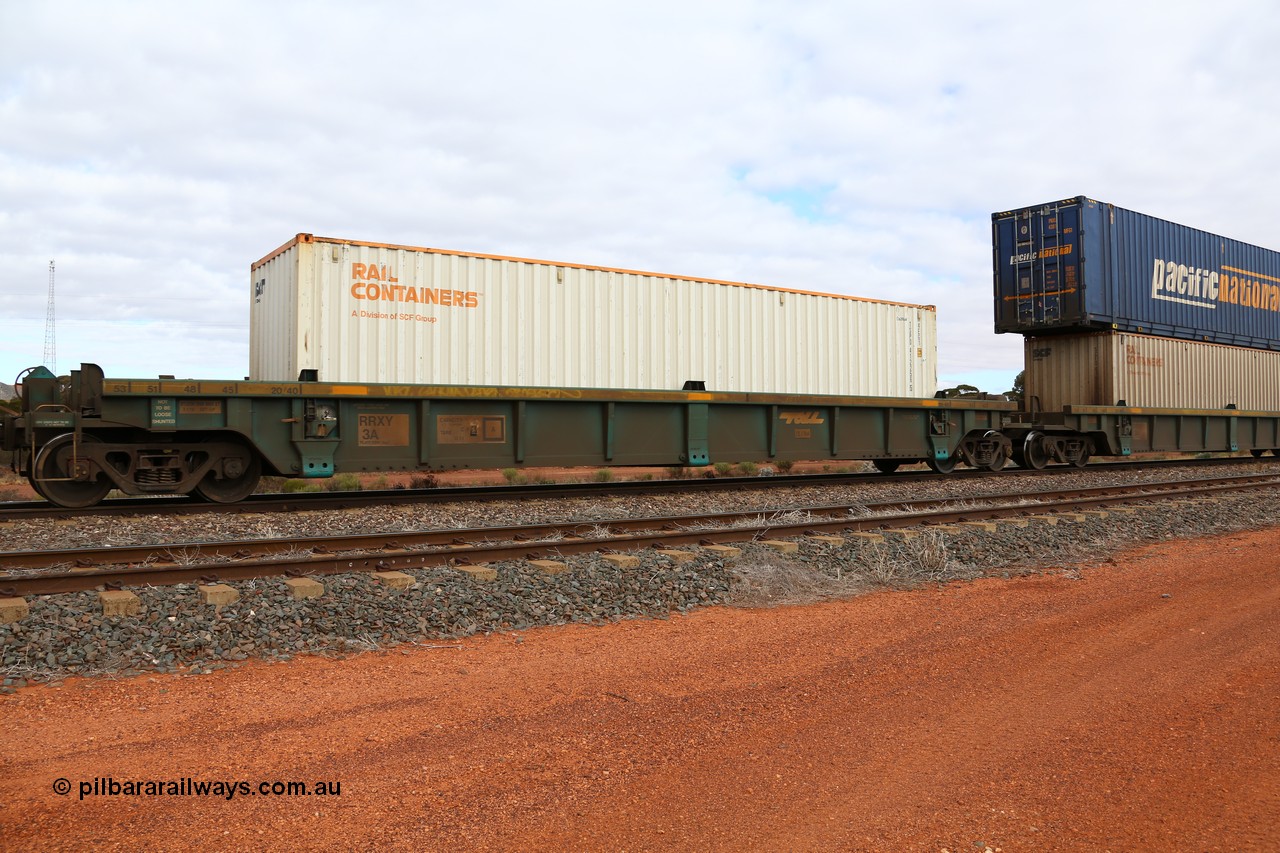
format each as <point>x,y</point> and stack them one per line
<point>67,635</point>
<point>89,532</point>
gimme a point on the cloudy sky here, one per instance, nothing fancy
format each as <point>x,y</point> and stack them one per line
<point>154,150</point>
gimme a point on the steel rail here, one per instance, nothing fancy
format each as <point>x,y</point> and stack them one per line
<point>243,549</point>
<point>468,553</point>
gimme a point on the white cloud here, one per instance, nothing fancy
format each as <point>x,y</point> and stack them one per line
<point>156,150</point>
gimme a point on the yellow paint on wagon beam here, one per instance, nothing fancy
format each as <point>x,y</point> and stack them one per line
<point>313,390</point>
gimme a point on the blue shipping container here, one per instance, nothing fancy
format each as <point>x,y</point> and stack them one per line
<point>1082,265</point>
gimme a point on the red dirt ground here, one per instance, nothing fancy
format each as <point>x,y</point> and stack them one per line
<point>1039,713</point>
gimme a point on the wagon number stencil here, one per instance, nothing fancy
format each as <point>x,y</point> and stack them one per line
<point>384,430</point>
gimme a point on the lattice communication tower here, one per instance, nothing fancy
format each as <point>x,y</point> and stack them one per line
<point>50,343</point>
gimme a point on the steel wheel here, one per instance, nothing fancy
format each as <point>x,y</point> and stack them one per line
<point>1033,453</point>
<point>36,486</point>
<point>246,470</point>
<point>53,469</point>
<point>886,466</point>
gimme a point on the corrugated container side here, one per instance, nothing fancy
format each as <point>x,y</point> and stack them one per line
<point>1080,264</point>
<point>369,313</point>
<point>273,326</point>
<point>1102,369</point>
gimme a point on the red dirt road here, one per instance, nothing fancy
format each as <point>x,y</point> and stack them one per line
<point>1041,713</point>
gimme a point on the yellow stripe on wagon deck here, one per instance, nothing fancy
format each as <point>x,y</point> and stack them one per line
<point>313,390</point>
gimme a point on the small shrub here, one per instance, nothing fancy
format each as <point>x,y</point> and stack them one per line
<point>677,472</point>
<point>294,485</point>
<point>645,477</point>
<point>544,480</point>
<point>723,468</point>
<point>604,475</point>
<point>423,481</point>
<point>748,469</point>
<point>380,483</point>
<point>511,474</point>
<point>346,482</point>
<point>785,465</point>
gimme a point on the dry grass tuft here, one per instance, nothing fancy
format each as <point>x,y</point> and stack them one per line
<point>923,559</point>
<point>764,578</point>
<point>185,556</point>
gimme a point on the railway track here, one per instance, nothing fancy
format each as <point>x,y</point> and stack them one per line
<point>52,571</point>
<point>311,501</point>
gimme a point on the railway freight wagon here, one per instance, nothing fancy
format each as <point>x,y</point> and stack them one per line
<point>367,312</point>
<point>1080,265</point>
<point>78,439</point>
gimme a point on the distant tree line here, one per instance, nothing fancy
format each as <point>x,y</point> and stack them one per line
<point>973,392</point>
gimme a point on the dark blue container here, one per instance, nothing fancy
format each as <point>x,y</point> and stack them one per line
<point>1081,265</point>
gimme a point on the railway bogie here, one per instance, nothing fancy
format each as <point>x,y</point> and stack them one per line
<point>1084,431</point>
<point>1037,444</point>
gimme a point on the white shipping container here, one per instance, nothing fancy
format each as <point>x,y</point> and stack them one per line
<point>1151,372</point>
<point>367,312</point>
